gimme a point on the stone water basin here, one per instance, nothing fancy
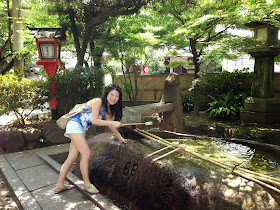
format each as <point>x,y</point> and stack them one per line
<point>233,154</point>
<point>126,174</point>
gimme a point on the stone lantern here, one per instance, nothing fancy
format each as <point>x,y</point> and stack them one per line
<point>262,107</point>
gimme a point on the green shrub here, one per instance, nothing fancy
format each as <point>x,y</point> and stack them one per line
<point>187,102</point>
<point>226,107</point>
<point>221,83</point>
<point>22,96</point>
<point>78,85</point>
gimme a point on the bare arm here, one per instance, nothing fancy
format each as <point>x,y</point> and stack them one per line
<point>95,105</point>
<point>114,129</point>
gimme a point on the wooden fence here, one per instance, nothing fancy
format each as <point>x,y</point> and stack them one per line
<point>150,87</point>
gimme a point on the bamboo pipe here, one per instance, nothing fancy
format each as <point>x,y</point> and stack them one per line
<point>158,151</point>
<point>219,164</point>
<point>236,172</point>
<point>266,177</point>
<point>166,144</point>
<point>178,139</point>
<point>247,176</point>
<point>238,168</point>
<point>154,136</point>
<point>145,135</point>
<point>258,181</point>
<point>144,123</point>
<point>166,154</point>
<point>226,166</point>
<point>268,180</point>
<point>254,173</point>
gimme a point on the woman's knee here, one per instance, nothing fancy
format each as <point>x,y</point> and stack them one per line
<point>86,154</point>
<point>72,159</point>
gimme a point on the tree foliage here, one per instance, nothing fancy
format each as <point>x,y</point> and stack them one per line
<point>84,20</point>
<point>193,26</point>
<point>22,96</point>
<point>203,27</point>
<point>128,42</point>
<point>219,84</point>
<point>35,15</point>
<point>6,47</point>
<point>77,86</point>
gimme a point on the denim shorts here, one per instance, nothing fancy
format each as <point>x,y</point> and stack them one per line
<point>73,126</point>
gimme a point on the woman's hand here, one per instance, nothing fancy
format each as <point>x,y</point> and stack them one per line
<point>117,124</point>
<point>122,140</point>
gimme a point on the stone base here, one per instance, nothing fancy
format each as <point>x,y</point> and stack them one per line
<point>261,110</point>
<point>260,117</point>
<point>263,105</point>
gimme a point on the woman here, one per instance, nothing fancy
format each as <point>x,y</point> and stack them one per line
<point>109,105</point>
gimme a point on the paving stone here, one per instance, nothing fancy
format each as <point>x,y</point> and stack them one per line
<point>38,176</point>
<point>103,201</point>
<point>21,160</point>
<point>22,195</point>
<point>70,199</point>
<point>33,182</point>
<point>51,150</point>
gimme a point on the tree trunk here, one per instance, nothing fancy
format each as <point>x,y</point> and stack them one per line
<point>196,101</point>
<point>97,53</point>
<point>196,70</point>
<point>17,36</point>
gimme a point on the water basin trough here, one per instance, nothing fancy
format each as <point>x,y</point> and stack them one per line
<point>142,178</point>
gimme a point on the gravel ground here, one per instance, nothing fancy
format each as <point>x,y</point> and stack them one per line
<point>6,199</point>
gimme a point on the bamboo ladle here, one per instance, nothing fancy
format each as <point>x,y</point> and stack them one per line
<point>144,123</point>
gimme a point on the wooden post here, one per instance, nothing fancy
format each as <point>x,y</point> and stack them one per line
<point>172,121</point>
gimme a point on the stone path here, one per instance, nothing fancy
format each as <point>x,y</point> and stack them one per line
<point>32,174</point>
<point>6,199</point>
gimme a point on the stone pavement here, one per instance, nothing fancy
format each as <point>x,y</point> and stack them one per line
<point>31,176</point>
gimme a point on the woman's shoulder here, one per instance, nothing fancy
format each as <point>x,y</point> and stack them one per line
<point>95,102</point>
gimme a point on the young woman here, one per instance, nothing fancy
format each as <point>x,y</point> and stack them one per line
<point>109,105</point>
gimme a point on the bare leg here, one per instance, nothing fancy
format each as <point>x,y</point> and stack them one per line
<point>80,143</point>
<point>72,157</point>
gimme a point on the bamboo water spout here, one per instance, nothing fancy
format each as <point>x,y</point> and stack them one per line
<point>250,175</point>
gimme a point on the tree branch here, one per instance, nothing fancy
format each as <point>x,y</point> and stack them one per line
<point>8,67</point>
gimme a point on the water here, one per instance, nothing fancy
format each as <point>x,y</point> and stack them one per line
<point>233,154</point>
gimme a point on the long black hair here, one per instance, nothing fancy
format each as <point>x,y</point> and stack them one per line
<point>116,109</point>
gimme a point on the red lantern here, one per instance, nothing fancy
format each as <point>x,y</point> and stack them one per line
<point>49,47</point>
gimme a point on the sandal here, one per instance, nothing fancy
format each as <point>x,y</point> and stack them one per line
<point>91,187</point>
<point>66,187</point>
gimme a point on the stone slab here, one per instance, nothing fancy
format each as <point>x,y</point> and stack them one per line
<point>22,196</point>
<point>73,179</point>
<point>51,150</point>
<point>32,181</point>
<point>262,105</point>
<point>38,176</point>
<point>70,199</point>
<point>21,160</point>
<point>99,199</point>
<point>104,202</point>
<point>260,118</point>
